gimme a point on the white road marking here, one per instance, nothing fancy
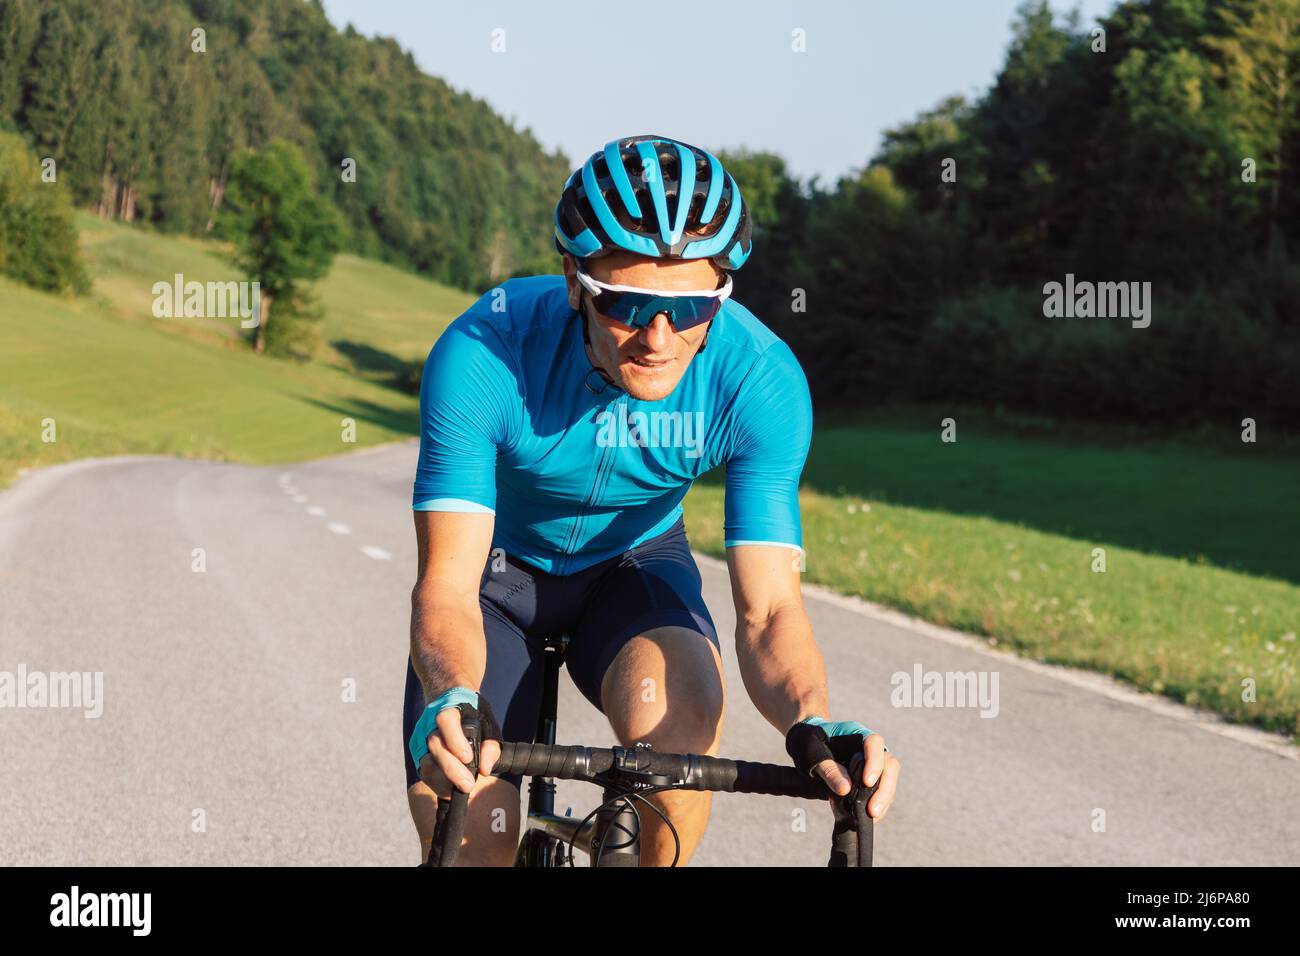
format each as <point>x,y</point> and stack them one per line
<point>339,527</point>
<point>316,511</point>
<point>1091,681</point>
<point>379,554</point>
<point>299,499</point>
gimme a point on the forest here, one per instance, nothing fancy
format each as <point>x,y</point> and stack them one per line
<point>145,129</point>
<point>1158,146</point>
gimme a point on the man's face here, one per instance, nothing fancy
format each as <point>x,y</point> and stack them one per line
<point>648,362</point>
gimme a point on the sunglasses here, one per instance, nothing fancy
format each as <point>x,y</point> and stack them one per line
<point>637,308</point>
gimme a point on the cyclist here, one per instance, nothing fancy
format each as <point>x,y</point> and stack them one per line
<point>564,418</point>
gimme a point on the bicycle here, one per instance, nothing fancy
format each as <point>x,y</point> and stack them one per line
<point>610,835</point>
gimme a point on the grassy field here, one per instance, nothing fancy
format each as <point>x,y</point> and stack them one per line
<point>993,534</point>
<point>1224,503</point>
<point>116,380</point>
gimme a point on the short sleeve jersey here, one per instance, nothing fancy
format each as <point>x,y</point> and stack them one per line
<point>516,422</point>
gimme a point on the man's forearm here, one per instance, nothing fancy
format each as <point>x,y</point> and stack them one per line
<point>782,666</point>
<point>447,644</point>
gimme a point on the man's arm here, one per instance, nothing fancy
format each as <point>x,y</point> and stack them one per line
<point>780,662</point>
<point>447,644</point>
<point>448,648</point>
<point>782,666</point>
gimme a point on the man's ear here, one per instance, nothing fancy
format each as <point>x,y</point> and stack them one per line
<point>572,286</point>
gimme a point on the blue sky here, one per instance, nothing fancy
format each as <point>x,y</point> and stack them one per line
<point>720,75</point>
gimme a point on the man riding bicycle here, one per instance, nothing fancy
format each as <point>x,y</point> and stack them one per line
<point>564,418</point>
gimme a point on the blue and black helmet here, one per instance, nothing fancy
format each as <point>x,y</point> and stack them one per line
<point>657,197</point>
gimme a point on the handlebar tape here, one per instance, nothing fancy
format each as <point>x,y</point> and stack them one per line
<point>449,824</point>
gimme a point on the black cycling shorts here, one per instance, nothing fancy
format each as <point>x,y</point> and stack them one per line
<point>655,584</point>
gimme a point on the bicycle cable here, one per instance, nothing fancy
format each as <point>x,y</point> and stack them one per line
<point>627,797</point>
<point>634,836</point>
<point>677,840</point>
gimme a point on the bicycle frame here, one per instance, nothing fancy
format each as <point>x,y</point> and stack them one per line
<point>537,846</point>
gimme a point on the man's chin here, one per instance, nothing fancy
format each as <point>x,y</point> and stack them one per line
<point>647,386</point>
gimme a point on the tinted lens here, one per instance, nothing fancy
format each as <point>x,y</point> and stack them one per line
<point>639,308</point>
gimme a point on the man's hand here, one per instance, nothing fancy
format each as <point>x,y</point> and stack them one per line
<point>440,748</point>
<point>825,748</point>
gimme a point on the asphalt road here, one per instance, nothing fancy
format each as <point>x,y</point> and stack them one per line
<point>251,710</point>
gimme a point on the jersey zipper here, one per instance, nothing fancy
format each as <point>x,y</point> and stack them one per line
<point>604,468</point>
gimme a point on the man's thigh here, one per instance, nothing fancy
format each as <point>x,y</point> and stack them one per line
<point>646,651</point>
<point>665,688</point>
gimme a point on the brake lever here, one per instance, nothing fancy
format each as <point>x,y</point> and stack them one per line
<point>851,838</point>
<point>449,824</point>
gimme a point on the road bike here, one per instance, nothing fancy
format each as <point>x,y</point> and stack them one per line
<point>610,835</point>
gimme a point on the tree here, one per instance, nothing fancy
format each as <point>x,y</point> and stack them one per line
<point>778,210</point>
<point>284,234</point>
<point>1261,67</point>
<point>38,243</point>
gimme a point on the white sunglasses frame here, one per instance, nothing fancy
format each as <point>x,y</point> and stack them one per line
<point>595,287</point>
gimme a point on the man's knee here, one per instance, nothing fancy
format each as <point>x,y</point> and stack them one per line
<point>491,822</point>
<point>665,688</point>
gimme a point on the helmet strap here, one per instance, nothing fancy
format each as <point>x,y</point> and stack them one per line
<point>586,341</point>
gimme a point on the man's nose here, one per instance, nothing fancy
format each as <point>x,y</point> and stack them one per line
<point>659,333</point>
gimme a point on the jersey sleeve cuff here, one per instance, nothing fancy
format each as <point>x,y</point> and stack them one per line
<point>460,505</point>
<point>737,542</point>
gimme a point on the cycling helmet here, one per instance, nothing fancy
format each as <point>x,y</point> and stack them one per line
<point>656,197</point>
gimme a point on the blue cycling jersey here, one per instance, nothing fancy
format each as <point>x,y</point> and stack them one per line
<point>516,422</point>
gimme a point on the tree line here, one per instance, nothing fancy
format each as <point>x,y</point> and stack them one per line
<point>145,121</point>
<point>1159,146</point>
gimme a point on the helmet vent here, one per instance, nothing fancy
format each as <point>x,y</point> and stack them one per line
<point>668,165</point>
<point>585,215</point>
<point>625,219</point>
<point>693,224</point>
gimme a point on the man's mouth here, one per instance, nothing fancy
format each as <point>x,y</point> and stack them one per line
<point>650,363</point>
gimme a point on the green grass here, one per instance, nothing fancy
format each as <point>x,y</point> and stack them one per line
<point>116,380</point>
<point>1229,506</point>
<point>995,534</point>
<point>377,316</point>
